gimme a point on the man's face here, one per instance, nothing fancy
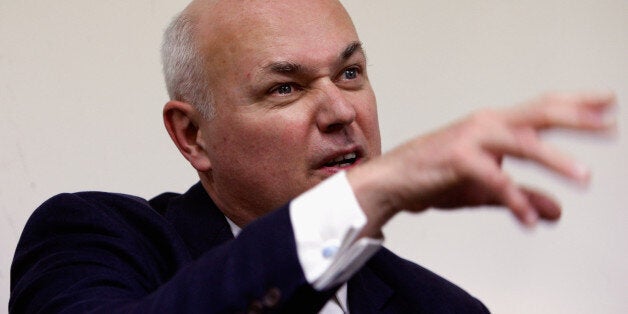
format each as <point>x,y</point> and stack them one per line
<point>293,102</point>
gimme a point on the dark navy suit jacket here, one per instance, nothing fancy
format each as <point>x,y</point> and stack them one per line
<point>113,253</point>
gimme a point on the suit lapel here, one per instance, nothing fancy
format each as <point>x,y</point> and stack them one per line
<point>197,219</point>
<point>368,293</point>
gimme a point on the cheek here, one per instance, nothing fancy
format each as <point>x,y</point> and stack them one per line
<point>267,142</point>
<point>366,118</point>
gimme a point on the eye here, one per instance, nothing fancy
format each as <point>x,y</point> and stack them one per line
<point>351,73</point>
<point>284,89</point>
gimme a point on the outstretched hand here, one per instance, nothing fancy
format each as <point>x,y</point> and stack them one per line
<point>460,165</point>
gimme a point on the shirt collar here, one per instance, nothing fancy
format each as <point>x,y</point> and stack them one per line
<point>235,230</point>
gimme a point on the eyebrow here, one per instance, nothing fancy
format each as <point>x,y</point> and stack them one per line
<point>289,67</point>
<point>284,67</point>
<point>351,49</point>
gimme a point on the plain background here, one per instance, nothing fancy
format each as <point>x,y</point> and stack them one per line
<point>81,94</point>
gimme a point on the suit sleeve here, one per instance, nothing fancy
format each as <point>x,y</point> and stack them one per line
<point>103,253</point>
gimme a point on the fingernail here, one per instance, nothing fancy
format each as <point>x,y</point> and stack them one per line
<point>599,117</point>
<point>530,218</point>
<point>581,172</point>
<point>608,118</point>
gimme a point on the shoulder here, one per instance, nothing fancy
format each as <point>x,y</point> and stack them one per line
<point>86,221</point>
<point>75,242</point>
<point>92,199</point>
<point>84,225</point>
<point>87,201</point>
<point>90,209</point>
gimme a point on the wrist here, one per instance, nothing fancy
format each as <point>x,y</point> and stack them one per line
<point>371,193</point>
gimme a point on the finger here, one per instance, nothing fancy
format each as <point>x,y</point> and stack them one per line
<point>520,206</point>
<point>525,144</point>
<point>501,190</point>
<point>558,162</point>
<point>529,146</point>
<point>584,111</point>
<point>546,207</point>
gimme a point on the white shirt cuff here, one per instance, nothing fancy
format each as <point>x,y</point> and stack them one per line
<point>326,221</point>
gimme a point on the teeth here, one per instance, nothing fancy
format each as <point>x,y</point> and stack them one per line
<point>343,161</point>
<point>345,157</point>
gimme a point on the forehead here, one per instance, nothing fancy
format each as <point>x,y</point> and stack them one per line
<point>235,16</point>
<point>237,33</point>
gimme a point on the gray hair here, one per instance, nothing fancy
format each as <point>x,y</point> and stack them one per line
<point>184,66</point>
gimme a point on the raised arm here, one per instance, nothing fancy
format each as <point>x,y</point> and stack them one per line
<point>460,165</point>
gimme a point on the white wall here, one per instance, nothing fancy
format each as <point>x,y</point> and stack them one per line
<point>81,96</point>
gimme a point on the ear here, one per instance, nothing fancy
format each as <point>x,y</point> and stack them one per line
<point>182,122</point>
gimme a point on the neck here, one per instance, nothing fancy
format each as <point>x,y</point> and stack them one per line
<point>233,208</point>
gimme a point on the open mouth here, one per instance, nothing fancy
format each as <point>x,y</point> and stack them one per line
<point>343,161</point>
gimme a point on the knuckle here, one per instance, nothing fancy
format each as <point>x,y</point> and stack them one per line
<point>460,156</point>
<point>527,142</point>
<point>502,181</point>
<point>480,122</point>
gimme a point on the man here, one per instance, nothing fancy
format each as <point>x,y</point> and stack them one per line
<point>270,99</point>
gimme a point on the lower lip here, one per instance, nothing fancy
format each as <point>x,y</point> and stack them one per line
<point>329,171</point>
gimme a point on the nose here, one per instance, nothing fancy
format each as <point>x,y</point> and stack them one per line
<point>335,111</point>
